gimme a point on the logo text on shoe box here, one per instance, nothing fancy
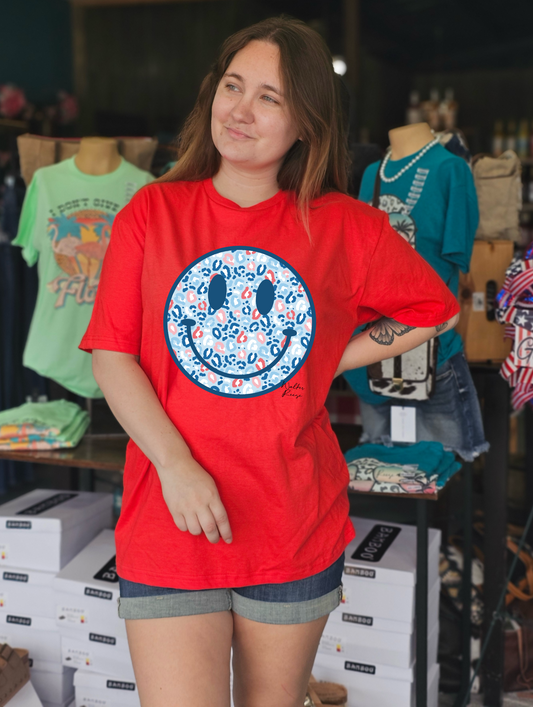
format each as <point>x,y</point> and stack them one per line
<point>119,685</point>
<point>38,508</point>
<point>108,573</point>
<point>97,593</point>
<point>360,667</point>
<point>15,577</point>
<point>360,572</point>
<point>98,638</point>
<point>376,543</point>
<point>24,620</point>
<point>19,524</point>
<point>356,619</point>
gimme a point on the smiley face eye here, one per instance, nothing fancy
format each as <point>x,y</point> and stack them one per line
<point>265,297</point>
<point>217,292</point>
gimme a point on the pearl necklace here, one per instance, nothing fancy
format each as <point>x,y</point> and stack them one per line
<point>403,170</point>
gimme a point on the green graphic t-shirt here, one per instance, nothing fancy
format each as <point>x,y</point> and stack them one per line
<point>65,225</point>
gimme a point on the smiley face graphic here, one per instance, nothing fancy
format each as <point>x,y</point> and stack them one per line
<point>239,322</point>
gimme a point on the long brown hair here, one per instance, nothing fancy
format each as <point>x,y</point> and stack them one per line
<point>315,164</point>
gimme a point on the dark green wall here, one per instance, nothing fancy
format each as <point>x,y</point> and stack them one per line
<point>150,60</point>
<point>35,48</point>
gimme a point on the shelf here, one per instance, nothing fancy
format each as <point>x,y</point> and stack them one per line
<point>107,452</point>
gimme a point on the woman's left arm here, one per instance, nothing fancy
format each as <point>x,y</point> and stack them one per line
<point>387,338</point>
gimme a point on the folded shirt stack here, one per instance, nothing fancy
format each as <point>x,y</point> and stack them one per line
<point>51,425</point>
<point>423,467</point>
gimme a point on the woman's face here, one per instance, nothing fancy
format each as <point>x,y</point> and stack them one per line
<point>251,125</point>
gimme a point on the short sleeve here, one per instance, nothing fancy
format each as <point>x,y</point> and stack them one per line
<point>26,231</point>
<point>366,191</point>
<point>462,215</point>
<point>402,286</point>
<point>116,321</point>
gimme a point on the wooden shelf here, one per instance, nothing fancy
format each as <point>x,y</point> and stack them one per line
<point>107,452</point>
<point>417,496</point>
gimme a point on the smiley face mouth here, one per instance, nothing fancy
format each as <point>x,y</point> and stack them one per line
<point>289,333</point>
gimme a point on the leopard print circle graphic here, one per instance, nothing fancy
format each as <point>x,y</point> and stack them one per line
<point>239,322</point>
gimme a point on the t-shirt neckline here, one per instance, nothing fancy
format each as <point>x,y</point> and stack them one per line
<point>219,199</point>
<point>100,178</point>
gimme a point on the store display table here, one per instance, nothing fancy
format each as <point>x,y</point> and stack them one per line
<point>422,589</point>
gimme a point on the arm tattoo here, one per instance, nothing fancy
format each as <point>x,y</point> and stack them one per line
<point>441,327</point>
<point>384,331</point>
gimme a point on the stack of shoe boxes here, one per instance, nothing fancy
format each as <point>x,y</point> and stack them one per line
<point>368,643</point>
<point>93,637</point>
<point>40,532</point>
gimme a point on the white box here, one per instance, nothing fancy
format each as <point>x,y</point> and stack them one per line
<point>52,681</point>
<point>66,703</point>
<point>378,686</point>
<point>98,653</point>
<point>25,697</point>
<point>346,616</point>
<point>368,646</point>
<point>39,635</point>
<point>380,569</point>
<point>26,591</point>
<point>87,589</point>
<point>45,528</point>
<point>104,690</point>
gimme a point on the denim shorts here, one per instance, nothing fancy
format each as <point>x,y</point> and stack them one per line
<point>288,603</point>
<point>451,416</point>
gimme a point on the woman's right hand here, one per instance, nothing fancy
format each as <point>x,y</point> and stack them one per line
<point>193,500</point>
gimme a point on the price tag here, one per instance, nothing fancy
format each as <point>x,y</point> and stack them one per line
<point>402,424</point>
<point>478,302</point>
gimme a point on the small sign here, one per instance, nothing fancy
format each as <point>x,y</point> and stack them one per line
<point>478,302</point>
<point>402,424</point>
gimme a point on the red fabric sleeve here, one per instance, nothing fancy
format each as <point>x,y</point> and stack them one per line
<point>116,322</point>
<point>401,285</point>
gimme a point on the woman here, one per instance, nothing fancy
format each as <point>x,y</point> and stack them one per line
<point>227,300</point>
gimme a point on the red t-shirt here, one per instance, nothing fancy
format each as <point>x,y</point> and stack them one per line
<point>240,322</point>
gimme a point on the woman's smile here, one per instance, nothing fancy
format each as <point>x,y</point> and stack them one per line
<point>237,134</point>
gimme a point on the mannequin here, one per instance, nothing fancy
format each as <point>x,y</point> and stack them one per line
<point>429,196</point>
<point>409,139</point>
<point>98,156</point>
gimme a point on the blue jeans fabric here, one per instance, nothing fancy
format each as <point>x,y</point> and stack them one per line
<point>451,416</point>
<point>289,602</point>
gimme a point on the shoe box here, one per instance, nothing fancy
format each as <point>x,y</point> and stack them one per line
<point>25,697</point>
<point>365,638</point>
<point>52,681</point>
<point>96,690</point>
<point>25,590</point>
<point>373,684</point>
<point>39,635</point>
<point>96,652</point>
<point>379,576</point>
<point>45,528</point>
<point>87,590</point>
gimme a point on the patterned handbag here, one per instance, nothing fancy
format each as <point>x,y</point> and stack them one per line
<point>410,376</point>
